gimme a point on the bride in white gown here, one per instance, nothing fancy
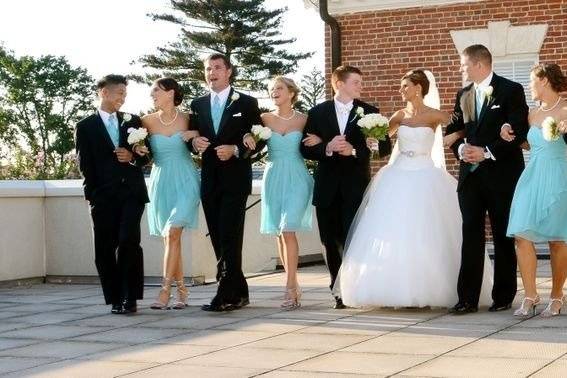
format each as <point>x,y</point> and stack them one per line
<point>403,248</point>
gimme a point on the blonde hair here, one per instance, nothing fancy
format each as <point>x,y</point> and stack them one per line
<point>289,83</point>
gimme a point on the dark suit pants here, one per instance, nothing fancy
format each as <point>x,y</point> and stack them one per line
<point>225,213</point>
<point>118,255</point>
<point>475,199</point>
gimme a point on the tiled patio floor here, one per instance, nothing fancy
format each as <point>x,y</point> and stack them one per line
<point>65,331</point>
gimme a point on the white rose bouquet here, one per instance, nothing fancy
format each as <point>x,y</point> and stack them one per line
<point>137,137</point>
<point>260,134</point>
<point>549,129</point>
<point>375,126</point>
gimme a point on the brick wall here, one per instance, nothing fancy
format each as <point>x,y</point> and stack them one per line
<point>386,44</point>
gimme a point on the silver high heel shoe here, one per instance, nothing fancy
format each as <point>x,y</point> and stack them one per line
<point>182,296</point>
<point>292,299</point>
<point>549,311</point>
<point>162,302</point>
<point>528,306</point>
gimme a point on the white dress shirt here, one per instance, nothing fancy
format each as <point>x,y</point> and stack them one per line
<point>222,95</point>
<point>105,116</point>
<point>343,111</point>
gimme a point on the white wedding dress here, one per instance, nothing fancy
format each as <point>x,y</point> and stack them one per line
<point>404,246</point>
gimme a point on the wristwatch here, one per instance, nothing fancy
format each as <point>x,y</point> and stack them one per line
<point>236,150</point>
<point>353,152</point>
<point>487,154</point>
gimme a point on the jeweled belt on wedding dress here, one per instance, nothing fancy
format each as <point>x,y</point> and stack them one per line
<point>411,153</point>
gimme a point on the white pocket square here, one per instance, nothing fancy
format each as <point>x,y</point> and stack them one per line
<point>495,107</point>
<point>237,115</point>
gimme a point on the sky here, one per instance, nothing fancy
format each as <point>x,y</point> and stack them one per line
<point>106,36</point>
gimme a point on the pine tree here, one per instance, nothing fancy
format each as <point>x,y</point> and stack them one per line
<point>243,30</point>
<point>312,90</point>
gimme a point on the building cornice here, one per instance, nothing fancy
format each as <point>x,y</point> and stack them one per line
<point>339,7</point>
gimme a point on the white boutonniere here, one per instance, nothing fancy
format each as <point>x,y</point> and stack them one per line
<point>235,96</point>
<point>359,112</point>
<point>488,92</point>
<point>126,117</point>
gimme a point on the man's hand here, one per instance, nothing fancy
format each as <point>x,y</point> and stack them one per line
<point>337,144</point>
<point>200,144</point>
<point>225,152</point>
<point>473,154</point>
<point>507,133</point>
<point>123,155</point>
<point>347,149</point>
<point>562,127</point>
<point>311,140</point>
<point>141,150</point>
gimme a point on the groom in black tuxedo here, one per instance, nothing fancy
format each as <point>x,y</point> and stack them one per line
<point>222,118</point>
<point>343,169</point>
<point>489,170</point>
<point>116,191</point>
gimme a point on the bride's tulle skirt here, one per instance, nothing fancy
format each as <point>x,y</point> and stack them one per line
<point>404,247</point>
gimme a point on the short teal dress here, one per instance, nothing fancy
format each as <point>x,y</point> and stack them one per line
<point>287,187</point>
<point>539,207</point>
<point>174,186</point>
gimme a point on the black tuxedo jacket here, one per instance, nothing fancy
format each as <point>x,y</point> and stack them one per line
<point>104,177</point>
<point>507,104</point>
<point>348,174</point>
<point>235,174</point>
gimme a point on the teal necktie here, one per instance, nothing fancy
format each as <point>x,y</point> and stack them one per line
<point>479,100</point>
<point>216,113</point>
<point>112,128</point>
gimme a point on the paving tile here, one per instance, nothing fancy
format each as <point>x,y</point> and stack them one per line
<point>110,320</point>
<point>11,364</point>
<point>358,363</point>
<point>399,343</point>
<point>12,325</point>
<point>192,322</point>
<point>247,357</point>
<point>269,325</point>
<point>41,307</point>
<point>151,353</point>
<point>130,335</point>
<point>501,348</point>
<point>50,317</point>
<point>58,349</point>
<point>477,367</point>
<point>52,332</point>
<point>87,369</point>
<point>317,342</point>
<point>175,370</point>
<point>555,369</point>
<point>312,374</point>
<point>7,343</point>
<point>221,338</point>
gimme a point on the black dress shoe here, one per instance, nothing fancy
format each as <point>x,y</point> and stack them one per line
<point>218,307</point>
<point>339,305</point>
<point>462,308</point>
<point>116,308</point>
<point>499,307</point>
<point>243,302</point>
<point>129,307</point>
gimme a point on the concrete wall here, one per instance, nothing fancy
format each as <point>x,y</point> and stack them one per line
<point>45,230</point>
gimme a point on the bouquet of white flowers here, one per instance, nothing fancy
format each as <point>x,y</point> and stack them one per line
<point>137,137</point>
<point>375,126</point>
<point>260,134</point>
<point>549,129</point>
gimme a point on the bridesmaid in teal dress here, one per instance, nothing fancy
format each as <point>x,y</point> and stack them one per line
<point>539,207</point>
<point>174,185</point>
<point>287,186</point>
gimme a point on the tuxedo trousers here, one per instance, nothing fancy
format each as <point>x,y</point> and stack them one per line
<point>225,214</point>
<point>334,220</point>
<point>118,255</point>
<point>476,198</point>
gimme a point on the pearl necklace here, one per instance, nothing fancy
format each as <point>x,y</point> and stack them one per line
<point>553,107</point>
<point>168,123</point>
<point>284,118</point>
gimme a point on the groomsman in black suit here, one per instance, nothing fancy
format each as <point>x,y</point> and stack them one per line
<point>222,118</point>
<point>116,191</point>
<point>343,169</point>
<point>489,170</point>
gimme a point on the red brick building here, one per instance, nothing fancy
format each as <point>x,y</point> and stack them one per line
<point>386,38</point>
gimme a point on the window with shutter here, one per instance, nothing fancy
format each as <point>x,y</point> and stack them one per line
<point>518,71</point>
